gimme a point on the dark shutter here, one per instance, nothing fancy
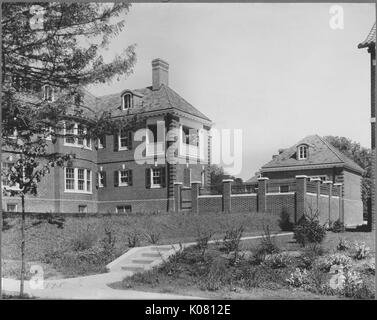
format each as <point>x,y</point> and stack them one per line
<point>116,142</point>
<point>129,140</point>
<point>148,178</point>
<point>97,179</point>
<point>130,177</point>
<point>116,178</point>
<point>103,140</point>
<point>163,177</point>
<point>104,178</point>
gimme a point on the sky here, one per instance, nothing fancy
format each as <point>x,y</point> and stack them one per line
<point>278,72</point>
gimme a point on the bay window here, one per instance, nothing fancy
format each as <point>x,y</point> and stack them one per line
<point>78,180</point>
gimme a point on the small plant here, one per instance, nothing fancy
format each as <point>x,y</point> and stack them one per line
<point>343,245</point>
<point>266,246</point>
<point>361,251</point>
<point>202,240</point>
<point>278,260</point>
<point>232,241</point>
<point>336,259</point>
<point>370,267</point>
<point>133,238</point>
<point>309,230</point>
<point>152,236</point>
<point>299,279</point>
<point>285,223</point>
<point>337,226</point>
<point>214,279</point>
<point>85,240</point>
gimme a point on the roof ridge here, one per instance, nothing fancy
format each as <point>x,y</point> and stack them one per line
<point>167,94</point>
<point>331,147</point>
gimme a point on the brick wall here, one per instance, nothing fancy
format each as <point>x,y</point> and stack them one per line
<point>244,203</point>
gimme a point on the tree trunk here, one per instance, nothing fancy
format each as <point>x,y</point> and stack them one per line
<point>22,247</point>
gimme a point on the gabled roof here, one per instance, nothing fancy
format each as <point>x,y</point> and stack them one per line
<point>147,100</point>
<point>321,155</point>
<point>370,40</point>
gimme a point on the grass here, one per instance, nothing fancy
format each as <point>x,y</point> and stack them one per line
<point>77,248</point>
<point>216,276</point>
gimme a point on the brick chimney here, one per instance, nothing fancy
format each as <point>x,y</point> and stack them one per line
<point>160,73</point>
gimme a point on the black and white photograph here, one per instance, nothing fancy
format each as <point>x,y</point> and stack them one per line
<point>188,151</point>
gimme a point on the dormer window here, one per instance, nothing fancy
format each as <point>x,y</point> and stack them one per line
<point>47,93</point>
<point>302,152</point>
<point>126,101</point>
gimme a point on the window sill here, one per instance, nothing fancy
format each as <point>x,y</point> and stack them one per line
<point>123,185</point>
<point>122,149</point>
<point>66,144</point>
<point>156,187</point>
<point>78,191</point>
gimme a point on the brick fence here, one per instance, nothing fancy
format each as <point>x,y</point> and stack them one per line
<point>295,196</point>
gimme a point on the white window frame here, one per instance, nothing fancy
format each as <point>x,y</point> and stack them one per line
<point>100,184</point>
<point>52,93</point>
<point>120,183</point>
<point>123,206</point>
<point>86,142</point>
<point>124,107</point>
<point>156,185</point>
<point>120,137</point>
<point>87,178</point>
<point>158,147</point>
<point>305,152</point>
<point>322,177</point>
<point>192,151</point>
<point>100,145</point>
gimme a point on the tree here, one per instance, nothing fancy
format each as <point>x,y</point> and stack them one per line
<point>363,157</point>
<point>59,48</point>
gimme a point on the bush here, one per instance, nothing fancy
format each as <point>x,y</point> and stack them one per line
<point>85,240</point>
<point>361,251</point>
<point>215,278</point>
<point>203,236</point>
<point>337,226</point>
<point>278,260</point>
<point>343,245</point>
<point>309,230</point>
<point>266,246</point>
<point>336,259</point>
<point>284,223</point>
<point>133,238</point>
<point>299,279</point>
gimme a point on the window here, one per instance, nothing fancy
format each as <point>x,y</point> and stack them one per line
<point>69,179</point>
<point>11,207</point>
<point>283,189</point>
<point>78,180</point>
<point>127,101</point>
<point>75,135</point>
<point>323,178</point>
<point>302,152</point>
<point>101,179</point>
<point>156,177</point>
<point>123,140</point>
<point>101,142</point>
<point>83,208</point>
<point>124,209</point>
<point>47,93</point>
<point>123,178</point>
<point>190,136</point>
<point>152,134</point>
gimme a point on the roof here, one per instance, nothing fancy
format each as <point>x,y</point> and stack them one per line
<point>370,40</point>
<point>321,155</point>
<point>147,100</point>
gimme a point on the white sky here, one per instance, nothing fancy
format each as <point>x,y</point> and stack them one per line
<point>276,71</point>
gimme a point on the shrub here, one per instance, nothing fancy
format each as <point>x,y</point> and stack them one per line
<point>343,245</point>
<point>152,236</point>
<point>337,226</point>
<point>85,240</point>
<point>361,251</point>
<point>299,279</point>
<point>309,256</point>
<point>278,260</point>
<point>203,236</point>
<point>232,238</point>
<point>370,267</point>
<point>266,246</point>
<point>309,230</point>
<point>354,286</point>
<point>336,259</point>
<point>133,238</point>
<point>284,223</point>
<point>215,278</point>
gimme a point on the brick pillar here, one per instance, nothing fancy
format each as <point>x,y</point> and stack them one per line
<point>318,190</point>
<point>227,191</point>
<point>177,196</point>
<point>300,196</point>
<point>262,190</point>
<point>340,192</point>
<point>329,183</point>
<point>195,185</point>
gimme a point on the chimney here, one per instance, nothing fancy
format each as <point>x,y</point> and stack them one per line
<point>160,73</point>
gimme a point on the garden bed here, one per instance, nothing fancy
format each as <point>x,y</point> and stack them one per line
<point>86,244</point>
<point>287,272</point>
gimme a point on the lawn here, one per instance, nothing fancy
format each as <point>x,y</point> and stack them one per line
<point>217,274</point>
<point>86,244</point>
